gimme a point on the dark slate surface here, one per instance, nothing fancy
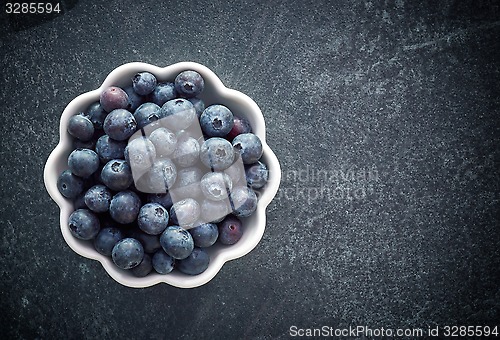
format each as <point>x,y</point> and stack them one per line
<point>384,118</point>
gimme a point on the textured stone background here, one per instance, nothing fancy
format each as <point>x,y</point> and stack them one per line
<point>397,102</point>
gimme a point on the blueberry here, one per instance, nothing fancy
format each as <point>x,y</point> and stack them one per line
<point>177,242</point>
<point>163,199</point>
<point>134,99</point>
<point>216,121</point>
<point>205,234</point>
<point>187,152</point>
<point>69,185</point>
<point>98,198</point>
<point>216,185</point>
<point>117,174</point>
<point>127,253</point>
<point>83,162</point>
<point>107,149</point>
<point>257,175</point>
<point>188,183</point>
<point>96,114</point>
<point>140,154</point>
<point>160,177</point>
<point>199,105</point>
<point>106,240</point>
<point>249,146</point>
<point>177,114</point>
<point>243,201</point>
<point>164,141</point>
<point>230,230</point>
<point>84,224</point>
<point>214,211</point>
<point>144,268</point>
<point>196,263</point>
<point>120,124</point>
<point>162,262</point>
<point>151,243</point>
<point>78,144</point>
<point>144,83</point>
<point>241,125</point>
<point>162,93</point>
<point>153,218</point>
<point>146,114</point>
<point>125,206</point>
<point>185,212</point>
<point>81,127</point>
<point>189,84</point>
<point>217,153</point>
<point>113,98</point>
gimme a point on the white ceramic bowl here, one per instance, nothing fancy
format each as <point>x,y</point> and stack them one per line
<point>214,92</point>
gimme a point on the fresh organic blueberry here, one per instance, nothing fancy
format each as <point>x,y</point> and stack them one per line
<point>117,174</point>
<point>257,175</point>
<point>216,185</point>
<point>241,125</point>
<point>151,243</point>
<point>127,253</point>
<point>177,114</point>
<point>69,185</point>
<point>98,198</point>
<point>120,124</point>
<point>134,99</point>
<point>125,206</point>
<point>199,106</point>
<point>162,93</point>
<point>78,144</point>
<point>146,114</point>
<point>216,121</point>
<point>108,149</point>
<point>96,114</point>
<point>249,146</point>
<point>160,178</point>
<point>83,162</point>
<point>163,199</point>
<point>81,127</point>
<point>144,83</point>
<point>185,212</point>
<point>106,240</point>
<point>188,183</point>
<point>144,268</point>
<point>230,230</point>
<point>187,152</point>
<point>140,154</point>
<point>162,262</point>
<point>204,235</point>
<point>153,218</point>
<point>189,84</point>
<point>177,242</point>
<point>217,153</point>
<point>113,98</point>
<point>196,263</point>
<point>164,141</point>
<point>214,211</point>
<point>84,224</point>
<point>243,201</point>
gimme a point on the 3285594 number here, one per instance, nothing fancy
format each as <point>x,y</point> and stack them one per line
<point>32,8</point>
<point>471,331</point>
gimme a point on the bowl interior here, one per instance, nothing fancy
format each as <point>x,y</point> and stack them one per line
<point>214,93</point>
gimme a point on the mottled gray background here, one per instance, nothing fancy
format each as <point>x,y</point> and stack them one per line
<point>397,102</point>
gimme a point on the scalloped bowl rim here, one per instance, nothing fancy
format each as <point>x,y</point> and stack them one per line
<point>222,255</point>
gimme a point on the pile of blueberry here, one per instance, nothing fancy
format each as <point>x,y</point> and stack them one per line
<point>156,178</point>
